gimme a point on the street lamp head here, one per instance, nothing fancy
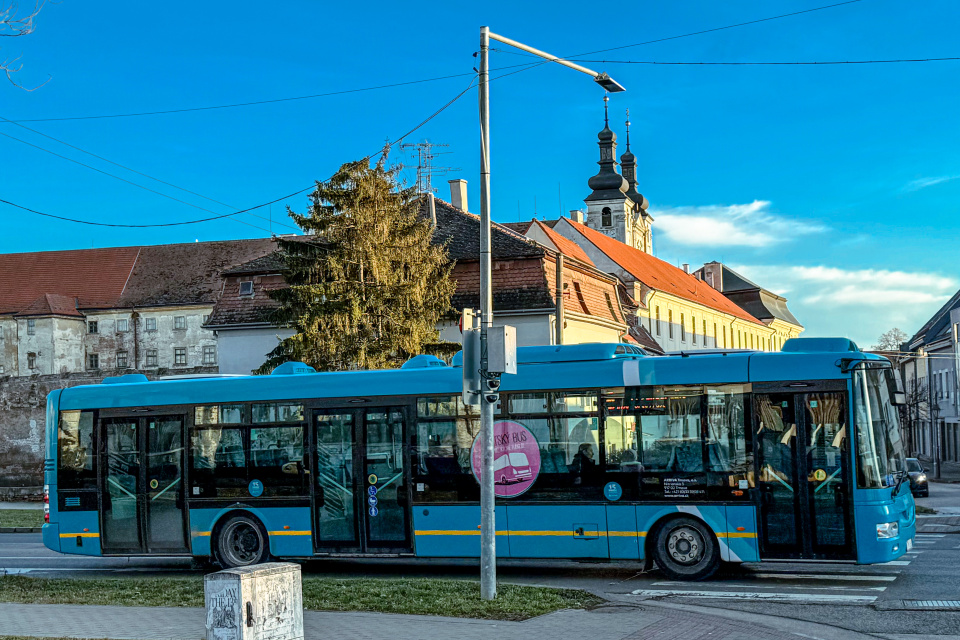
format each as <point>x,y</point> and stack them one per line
<point>608,83</point>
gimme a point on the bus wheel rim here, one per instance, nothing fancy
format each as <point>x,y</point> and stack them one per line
<point>243,543</point>
<point>685,545</point>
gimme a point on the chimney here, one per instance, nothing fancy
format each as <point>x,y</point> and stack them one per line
<point>577,216</point>
<point>686,267</point>
<point>458,193</point>
<point>433,209</point>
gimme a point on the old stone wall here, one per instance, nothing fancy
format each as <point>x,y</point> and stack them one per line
<point>23,403</point>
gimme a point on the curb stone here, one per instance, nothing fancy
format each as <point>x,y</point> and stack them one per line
<point>20,530</point>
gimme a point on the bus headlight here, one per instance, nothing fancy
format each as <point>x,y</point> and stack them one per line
<point>888,530</point>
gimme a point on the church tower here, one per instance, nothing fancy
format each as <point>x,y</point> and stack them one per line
<point>638,230</point>
<point>608,206</point>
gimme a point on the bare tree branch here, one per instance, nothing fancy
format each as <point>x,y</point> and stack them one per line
<point>14,25</point>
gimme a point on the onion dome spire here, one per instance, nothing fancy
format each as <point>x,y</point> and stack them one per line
<point>628,162</point>
<point>607,184</point>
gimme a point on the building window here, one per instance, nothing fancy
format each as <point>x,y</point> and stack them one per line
<point>693,329</point>
<point>683,329</point>
<point>93,361</point>
<point>658,320</point>
<point>151,357</point>
<point>93,327</point>
<point>180,356</point>
<point>150,324</point>
<point>670,323</point>
<point>751,341</point>
<point>246,288</point>
<point>31,361</point>
<point>1,369</point>
<point>715,343</point>
<point>705,333</point>
<point>209,354</point>
<point>180,322</point>
<point>31,327</point>
<point>606,217</point>
<point>206,319</point>
<point>1,333</point>
<point>123,325</point>
<point>121,359</point>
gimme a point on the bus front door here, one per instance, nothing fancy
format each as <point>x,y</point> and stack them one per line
<point>360,481</point>
<point>803,475</point>
<point>142,486</point>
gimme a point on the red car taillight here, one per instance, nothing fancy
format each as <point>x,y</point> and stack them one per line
<point>46,503</point>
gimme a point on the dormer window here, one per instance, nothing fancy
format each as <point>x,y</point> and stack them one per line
<point>246,288</point>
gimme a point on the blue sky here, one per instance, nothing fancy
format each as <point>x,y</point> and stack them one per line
<point>836,186</point>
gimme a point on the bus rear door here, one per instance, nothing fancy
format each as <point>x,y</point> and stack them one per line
<point>803,470</point>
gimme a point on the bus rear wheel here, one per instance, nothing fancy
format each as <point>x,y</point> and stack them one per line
<point>686,549</point>
<point>241,542</point>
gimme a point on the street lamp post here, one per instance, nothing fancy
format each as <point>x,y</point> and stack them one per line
<point>489,383</point>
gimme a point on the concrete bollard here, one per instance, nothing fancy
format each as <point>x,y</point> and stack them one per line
<point>261,602</point>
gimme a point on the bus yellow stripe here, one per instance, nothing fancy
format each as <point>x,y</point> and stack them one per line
<point>79,535</point>
<point>290,533</point>
<point>200,534</point>
<point>735,534</point>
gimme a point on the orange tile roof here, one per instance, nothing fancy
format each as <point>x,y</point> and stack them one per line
<point>660,275</point>
<point>51,304</point>
<point>566,246</point>
<point>95,276</point>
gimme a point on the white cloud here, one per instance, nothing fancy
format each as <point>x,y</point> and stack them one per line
<point>745,225</point>
<point>923,183</point>
<point>856,303</point>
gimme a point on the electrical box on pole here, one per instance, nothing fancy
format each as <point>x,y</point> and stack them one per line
<point>502,349</point>
<point>471,358</point>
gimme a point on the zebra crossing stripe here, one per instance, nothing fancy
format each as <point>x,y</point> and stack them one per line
<point>823,598</point>
<point>827,576</point>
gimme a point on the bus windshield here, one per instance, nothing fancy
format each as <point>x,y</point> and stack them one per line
<point>880,454</point>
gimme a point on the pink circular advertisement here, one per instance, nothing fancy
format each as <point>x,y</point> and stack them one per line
<point>516,459</point>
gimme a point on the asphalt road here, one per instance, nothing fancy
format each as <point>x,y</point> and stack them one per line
<point>915,597</point>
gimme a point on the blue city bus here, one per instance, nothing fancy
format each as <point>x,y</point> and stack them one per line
<point>603,452</point>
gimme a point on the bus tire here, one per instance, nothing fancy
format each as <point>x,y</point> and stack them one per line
<point>686,549</point>
<point>241,542</point>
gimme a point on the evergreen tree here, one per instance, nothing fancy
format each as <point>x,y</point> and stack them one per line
<point>366,286</point>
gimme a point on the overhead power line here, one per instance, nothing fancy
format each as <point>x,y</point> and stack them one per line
<point>686,35</point>
<point>802,62</point>
<point>218,217</point>
<point>140,173</point>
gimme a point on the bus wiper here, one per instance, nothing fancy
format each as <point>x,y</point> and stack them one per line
<point>896,489</point>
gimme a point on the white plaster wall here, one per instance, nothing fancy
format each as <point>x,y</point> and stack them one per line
<point>8,346</point>
<point>532,329</point>
<point>579,331</point>
<point>243,350</point>
<point>68,344</point>
<point>41,343</point>
<point>166,337</point>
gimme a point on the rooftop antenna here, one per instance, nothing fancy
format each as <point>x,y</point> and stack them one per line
<point>425,168</point>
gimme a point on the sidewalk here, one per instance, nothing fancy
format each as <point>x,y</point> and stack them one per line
<point>611,622</point>
<point>949,471</point>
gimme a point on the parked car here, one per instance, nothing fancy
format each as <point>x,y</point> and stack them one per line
<point>918,478</point>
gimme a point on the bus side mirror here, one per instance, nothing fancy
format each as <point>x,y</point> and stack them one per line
<point>898,398</point>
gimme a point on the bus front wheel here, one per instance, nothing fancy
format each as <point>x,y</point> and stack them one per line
<point>686,549</point>
<point>241,542</point>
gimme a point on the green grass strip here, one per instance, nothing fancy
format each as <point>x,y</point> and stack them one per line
<point>21,518</point>
<point>455,598</point>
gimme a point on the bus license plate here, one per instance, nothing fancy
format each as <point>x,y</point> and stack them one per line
<point>909,544</point>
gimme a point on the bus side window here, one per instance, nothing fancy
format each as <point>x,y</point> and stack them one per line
<point>218,462</point>
<point>446,429</point>
<point>276,459</point>
<point>76,453</point>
